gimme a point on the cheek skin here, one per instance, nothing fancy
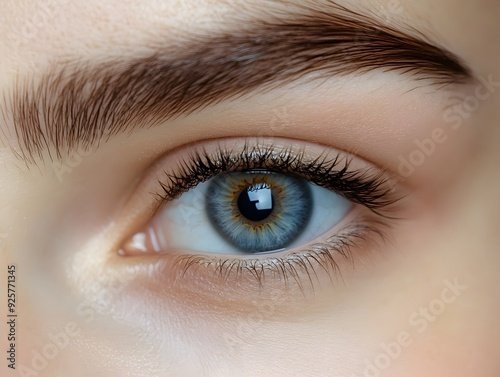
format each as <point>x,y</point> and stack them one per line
<point>340,332</point>
<point>327,320</point>
<point>311,326</point>
<point>456,338</point>
<point>328,337</point>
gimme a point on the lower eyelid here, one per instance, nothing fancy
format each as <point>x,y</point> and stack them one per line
<point>325,260</point>
<point>367,228</point>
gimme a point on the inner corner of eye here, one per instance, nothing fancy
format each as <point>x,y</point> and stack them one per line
<point>241,213</point>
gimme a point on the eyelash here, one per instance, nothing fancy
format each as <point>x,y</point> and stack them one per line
<point>359,185</point>
<point>289,267</point>
<point>363,186</point>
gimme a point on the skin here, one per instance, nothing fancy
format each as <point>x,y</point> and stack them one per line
<point>393,314</point>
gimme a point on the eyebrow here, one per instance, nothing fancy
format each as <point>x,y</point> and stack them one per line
<point>79,104</point>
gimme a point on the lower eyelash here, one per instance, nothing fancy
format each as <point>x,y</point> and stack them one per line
<point>299,267</point>
<point>367,186</point>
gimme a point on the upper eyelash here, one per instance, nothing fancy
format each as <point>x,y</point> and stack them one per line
<point>366,186</point>
<point>361,186</point>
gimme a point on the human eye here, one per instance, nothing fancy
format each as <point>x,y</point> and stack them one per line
<point>263,208</point>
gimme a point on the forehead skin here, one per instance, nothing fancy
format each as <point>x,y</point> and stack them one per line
<point>33,32</point>
<point>92,28</point>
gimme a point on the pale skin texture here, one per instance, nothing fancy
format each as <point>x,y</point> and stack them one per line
<point>61,234</point>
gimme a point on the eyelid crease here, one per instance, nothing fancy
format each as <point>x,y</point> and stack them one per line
<point>331,169</point>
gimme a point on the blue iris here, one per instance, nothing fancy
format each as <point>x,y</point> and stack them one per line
<point>259,211</point>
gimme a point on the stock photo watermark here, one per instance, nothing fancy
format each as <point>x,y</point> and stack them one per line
<point>387,14</point>
<point>11,316</point>
<point>103,300</point>
<point>67,165</point>
<point>249,327</point>
<point>279,120</point>
<point>44,13</point>
<point>469,104</point>
<point>418,321</point>
<point>454,116</point>
<point>102,303</point>
<point>57,342</point>
<point>3,241</point>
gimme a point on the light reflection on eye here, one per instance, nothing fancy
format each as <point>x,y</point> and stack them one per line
<point>248,212</point>
<point>299,205</point>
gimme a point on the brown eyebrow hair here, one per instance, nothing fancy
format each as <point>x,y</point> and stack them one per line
<point>78,104</point>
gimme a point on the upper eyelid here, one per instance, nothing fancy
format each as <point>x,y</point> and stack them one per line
<point>365,225</point>
<point>320,253</point>
<point>142,200</point>
<point>80,104</point>
<point>370,187</point>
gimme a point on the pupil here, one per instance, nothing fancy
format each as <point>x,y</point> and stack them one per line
<point>256,202</point>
